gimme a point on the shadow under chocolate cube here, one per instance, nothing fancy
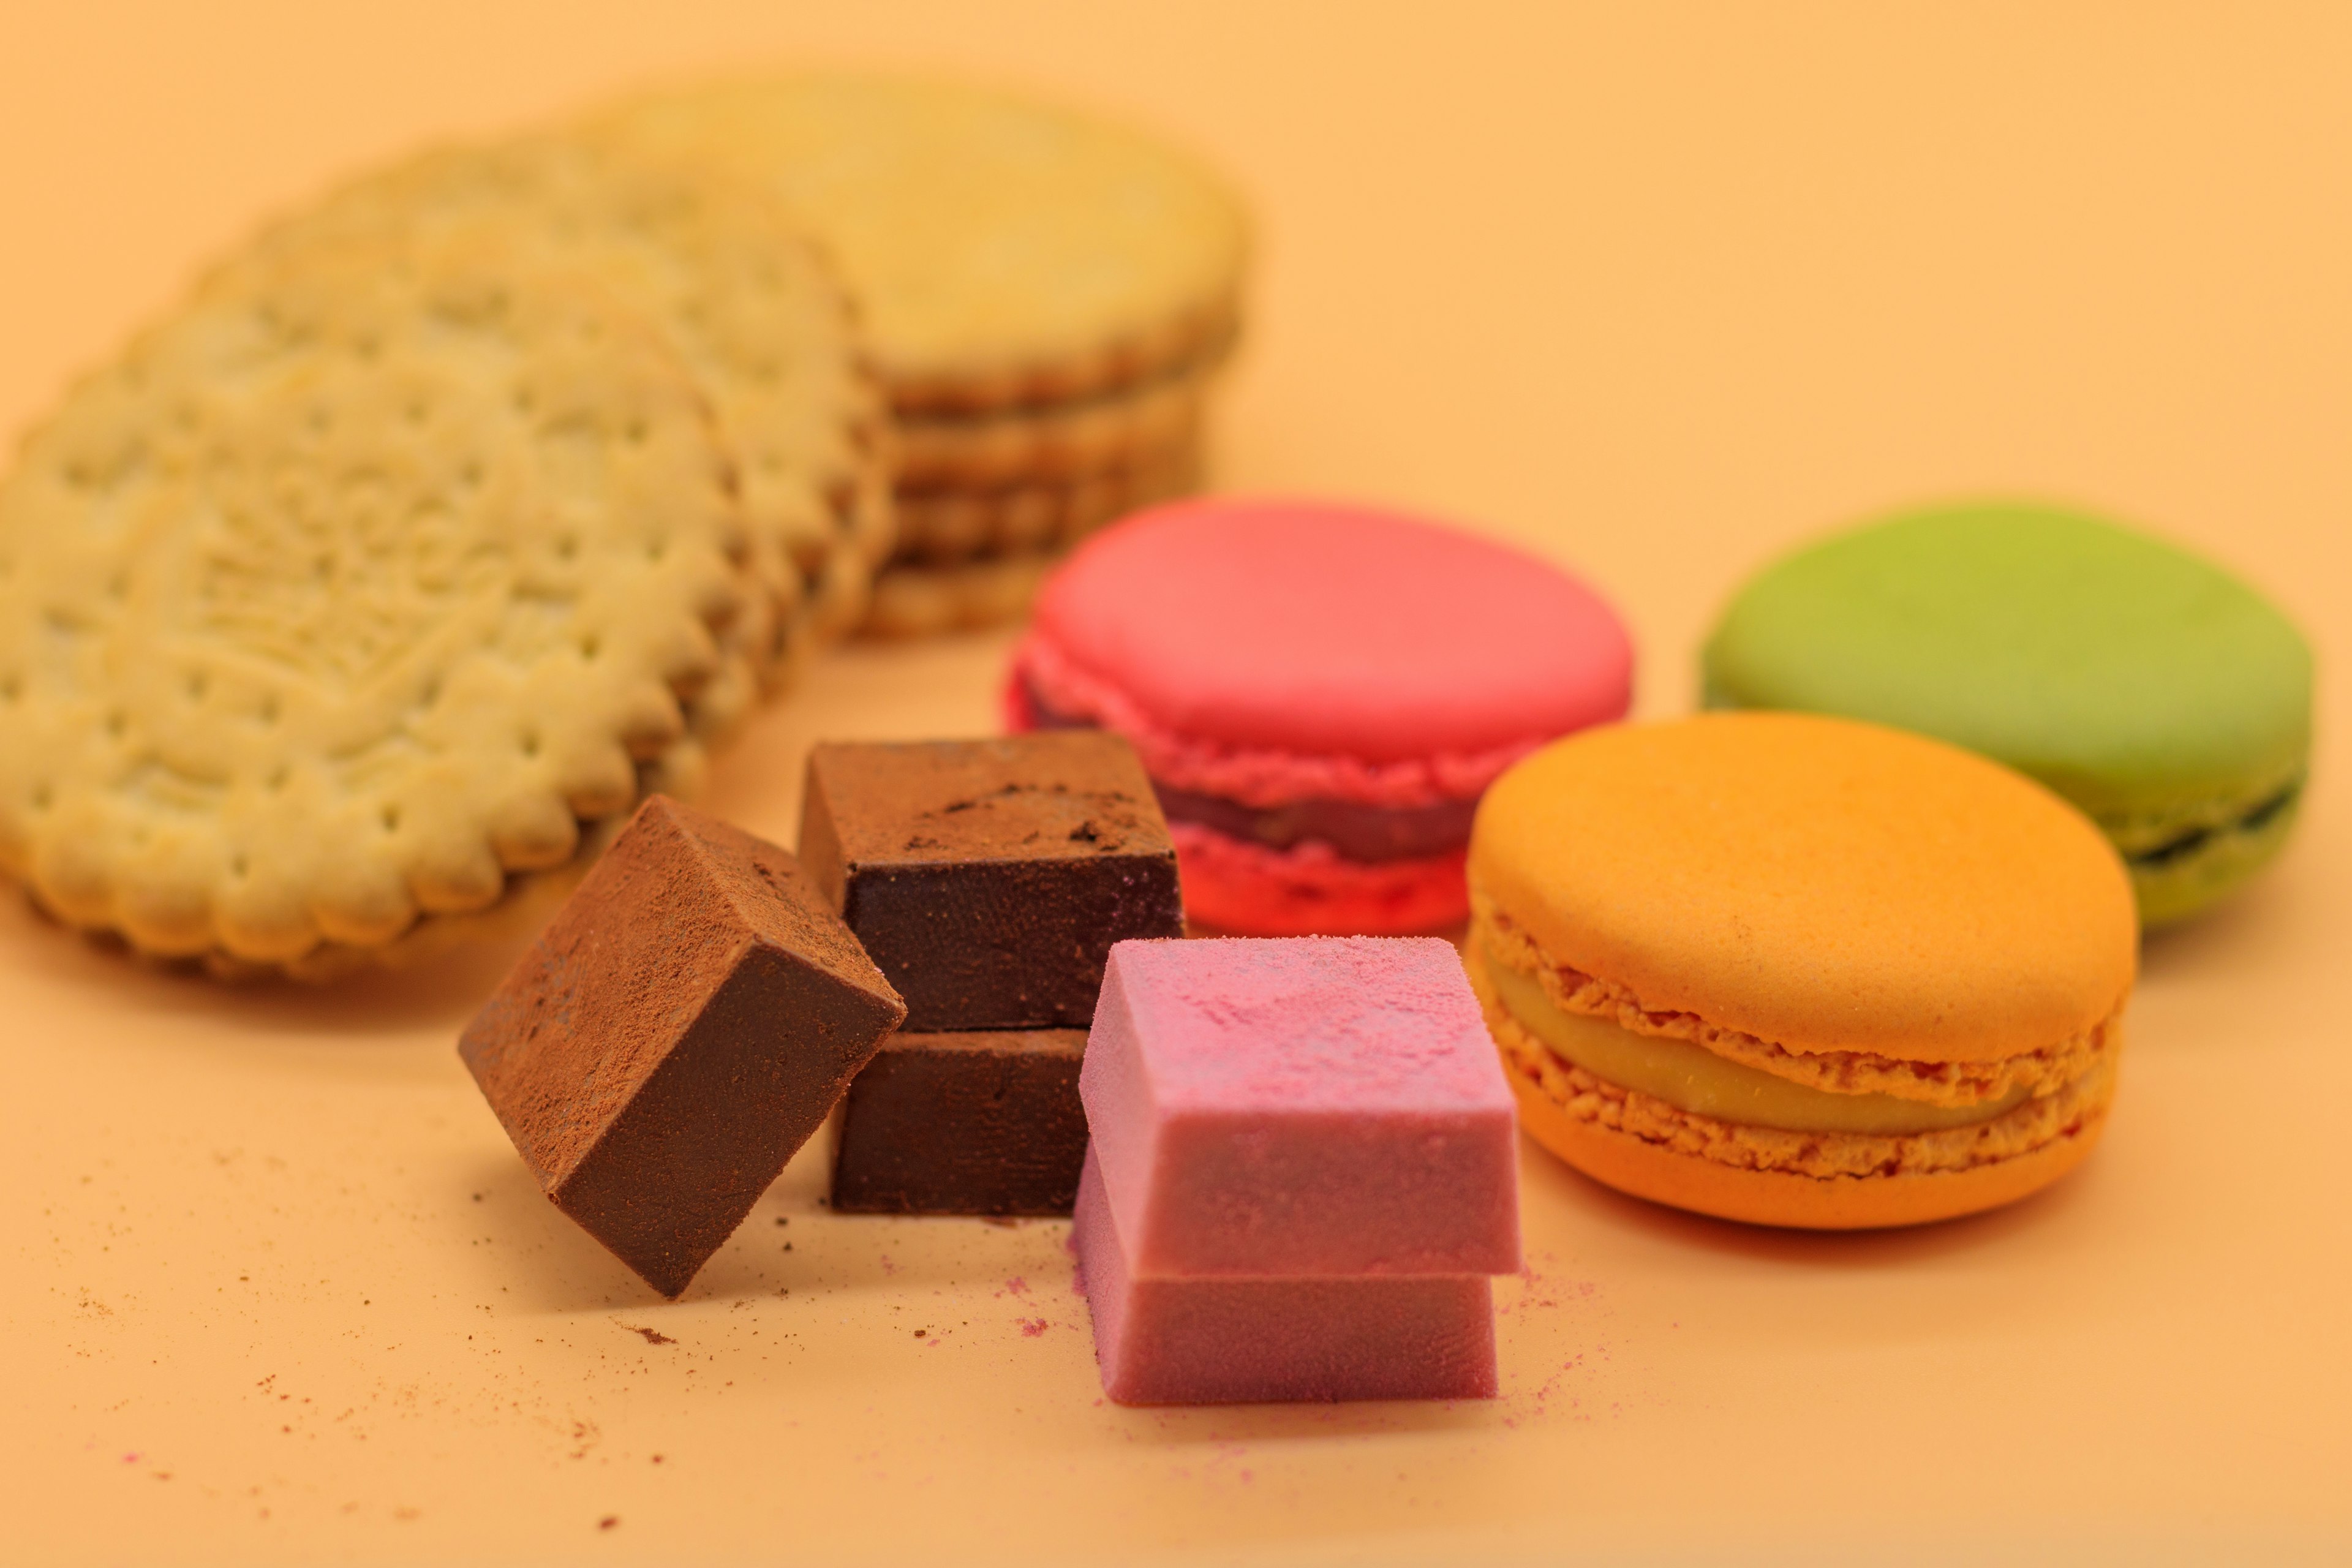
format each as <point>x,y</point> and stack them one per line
<point>983,1121</point>
<point>989,879</point>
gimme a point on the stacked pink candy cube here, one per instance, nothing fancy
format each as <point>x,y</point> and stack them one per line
<point>1301,1173</point>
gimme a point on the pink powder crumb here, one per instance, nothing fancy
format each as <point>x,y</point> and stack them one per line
<point>1032,1327</point>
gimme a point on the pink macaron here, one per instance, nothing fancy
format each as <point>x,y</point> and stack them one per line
<point>1320,693</point>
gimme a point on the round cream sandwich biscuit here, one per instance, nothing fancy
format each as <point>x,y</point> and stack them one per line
<point>356,587</point>
<point>1004,252</point>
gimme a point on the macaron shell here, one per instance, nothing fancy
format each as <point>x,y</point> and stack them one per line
<point>1818,883</point>
<point>2130,676</point>
<point>1645,1170</point>
<point>1302,626</point>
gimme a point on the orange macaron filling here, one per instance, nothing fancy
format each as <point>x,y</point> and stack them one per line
<point>1692,1080</point>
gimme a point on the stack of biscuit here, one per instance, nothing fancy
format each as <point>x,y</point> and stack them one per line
<point>365,595</point>
<point>1048,298</point>
<point>418,544</point>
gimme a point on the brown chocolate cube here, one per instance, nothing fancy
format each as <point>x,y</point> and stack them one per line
<point>981,1121</point>
<point>686,1021</point>
<point>989,879</point>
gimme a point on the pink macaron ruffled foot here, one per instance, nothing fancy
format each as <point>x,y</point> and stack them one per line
<point>1310,890</point>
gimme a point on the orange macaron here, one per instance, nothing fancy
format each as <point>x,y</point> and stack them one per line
<point>1798,970</point>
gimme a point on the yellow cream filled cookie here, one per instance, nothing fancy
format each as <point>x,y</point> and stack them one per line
<point>1800,971</point>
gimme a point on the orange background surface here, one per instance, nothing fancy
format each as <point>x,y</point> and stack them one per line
<point>1656,290</point>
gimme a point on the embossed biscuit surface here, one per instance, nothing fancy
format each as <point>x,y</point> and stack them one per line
<point>349,591</point>
<point>749,304</point>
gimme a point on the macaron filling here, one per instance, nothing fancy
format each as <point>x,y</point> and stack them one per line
<point>1692,1078</point>
<point>2179,845</point>
<point>2186,881</point>
<point>1372,834</point>
<point>1355,830</point>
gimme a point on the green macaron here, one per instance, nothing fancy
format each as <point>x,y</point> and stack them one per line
<point>2168,700</point>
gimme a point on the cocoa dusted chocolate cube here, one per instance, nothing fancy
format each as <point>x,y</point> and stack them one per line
<point>984,1121</point>
<point>989,879</point>
<point>690,1017</point>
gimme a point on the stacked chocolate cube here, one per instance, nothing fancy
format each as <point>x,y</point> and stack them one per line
<point>1303,1172</point>
<point>988,880</point>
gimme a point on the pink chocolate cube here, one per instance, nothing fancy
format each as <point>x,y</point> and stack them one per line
<point>1306,1106</point>
<point>1236,1341</point>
